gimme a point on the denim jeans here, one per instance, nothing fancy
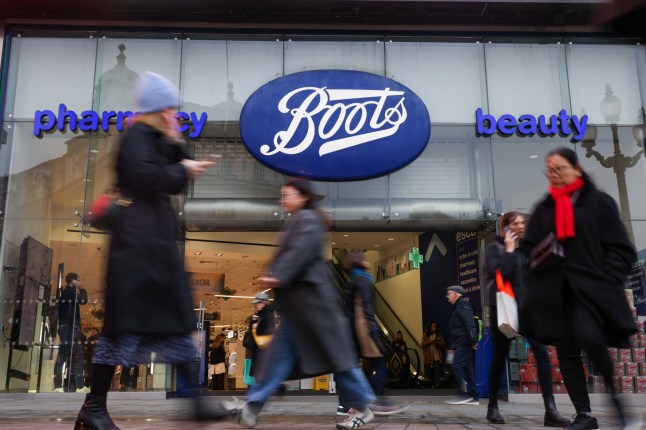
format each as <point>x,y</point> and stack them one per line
<point>463,370</point>
<point>279,363</point>
<point>69,348</point>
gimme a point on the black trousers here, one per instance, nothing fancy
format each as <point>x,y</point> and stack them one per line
<point>582,330</point>
<point>500,349</point>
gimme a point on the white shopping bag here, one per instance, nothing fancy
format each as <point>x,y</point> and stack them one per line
<point>506,307</point>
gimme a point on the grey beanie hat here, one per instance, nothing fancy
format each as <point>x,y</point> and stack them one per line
<point>154,93</point>
<point>261,298</point>
<point>456,288</point>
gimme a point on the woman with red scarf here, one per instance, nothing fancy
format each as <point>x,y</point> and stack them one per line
<point>580,304</point>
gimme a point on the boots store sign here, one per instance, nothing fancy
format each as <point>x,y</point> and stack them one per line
<point>335,125</point>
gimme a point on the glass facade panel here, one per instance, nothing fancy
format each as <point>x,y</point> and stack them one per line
<point>45,72</point>
<point>121,61</point>
<point>305,55</point>
<point>593,70</point>
<point>518,165</point>
<point>524,79</point>
<point>448,77</point>
<point>235,70</point>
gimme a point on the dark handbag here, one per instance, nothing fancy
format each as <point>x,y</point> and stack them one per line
<point>106,210</point>
<point>546,254</point>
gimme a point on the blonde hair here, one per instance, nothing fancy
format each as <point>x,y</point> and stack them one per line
<point>156,121</point>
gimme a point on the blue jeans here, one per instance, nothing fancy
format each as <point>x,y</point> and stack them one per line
<point>69,348</point>
<point>280,361</point>
<point>463,370</point>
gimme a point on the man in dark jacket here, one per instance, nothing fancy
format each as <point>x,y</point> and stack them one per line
<point>464,339</point>
<point>69,333</point>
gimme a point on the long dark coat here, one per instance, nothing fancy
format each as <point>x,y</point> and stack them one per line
<point>266,326</point>
<point>597,261</point>
<point>147,289</point>
<point>308,298</point>
<point>360,307</point>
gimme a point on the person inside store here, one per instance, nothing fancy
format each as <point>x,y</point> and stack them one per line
<point>70,350</point>
<point>368,338</point>
<point>399,363</point>
<point>579,303</point>
<point>217,360</point>
<point>433,344</point>
<point>148,303</point>
<point>501,256</point>
<point>313,337</point>
<point>262,328</point>
<point>463,340</point>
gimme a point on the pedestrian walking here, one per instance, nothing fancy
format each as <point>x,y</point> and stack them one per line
<point>463,340</point>
<point>313,337</point>
<point>502,256</point>
<point>579,303</point>
<point>148,304</point>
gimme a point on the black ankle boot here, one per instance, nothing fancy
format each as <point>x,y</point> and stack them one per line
<point>494,416</point>
<point>94,415</point>
<point>552,416</point>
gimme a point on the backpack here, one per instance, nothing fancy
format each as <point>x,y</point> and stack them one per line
<point>478,326</point>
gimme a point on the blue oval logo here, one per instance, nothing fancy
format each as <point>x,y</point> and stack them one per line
<point>335,125</point>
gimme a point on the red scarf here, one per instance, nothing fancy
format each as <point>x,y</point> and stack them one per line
<point>564,209</point>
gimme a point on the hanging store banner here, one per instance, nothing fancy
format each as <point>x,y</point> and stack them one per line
<point>335,125</point>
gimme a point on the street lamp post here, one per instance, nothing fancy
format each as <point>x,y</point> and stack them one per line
<point>611,110</point>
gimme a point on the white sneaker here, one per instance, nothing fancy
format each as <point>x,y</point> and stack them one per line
<point>462,401</point>
<point>59,390</point>
<point>388,409</point>
<point>82,390</point>
<point>357,419</point>
<point>634,423</point>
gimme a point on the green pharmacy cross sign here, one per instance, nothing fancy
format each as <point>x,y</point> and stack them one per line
<point>415,257</point>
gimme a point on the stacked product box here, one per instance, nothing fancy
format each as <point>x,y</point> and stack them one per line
<point>629,366</point>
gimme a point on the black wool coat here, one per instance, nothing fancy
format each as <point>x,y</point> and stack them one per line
<point>147,288</point>
<point>308,298</point>
<point>462,325</point>
<point>597,261</point>
<point>266,326</point>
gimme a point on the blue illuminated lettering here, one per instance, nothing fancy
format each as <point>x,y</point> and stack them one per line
<point>529,125</point>
<point>46,121</point>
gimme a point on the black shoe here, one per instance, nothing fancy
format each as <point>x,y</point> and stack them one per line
<point>552,417</point>
<point>494,416</point>
<point>94,415</point>
<point>583,422</point>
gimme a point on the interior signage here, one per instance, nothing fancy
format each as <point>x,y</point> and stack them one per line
<point>335,125</point>
<point>88,120</point>
<point>530,125</point>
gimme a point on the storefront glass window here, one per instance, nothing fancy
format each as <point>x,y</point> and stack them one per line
<point>593,70</point>
<point>121,61</point>
<point>312,55</point>
<point>45,72</point>
<point>448,77</point>
<point>219,75</point>
<point>524,79</point>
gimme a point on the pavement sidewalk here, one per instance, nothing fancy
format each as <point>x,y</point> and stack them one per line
<point>54,412</point>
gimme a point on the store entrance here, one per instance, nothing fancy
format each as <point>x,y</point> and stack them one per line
<point>225,267</point>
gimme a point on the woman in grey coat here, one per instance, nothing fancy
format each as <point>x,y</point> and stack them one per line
<point>313,337</point>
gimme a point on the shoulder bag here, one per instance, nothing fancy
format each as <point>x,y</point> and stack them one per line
<point>106,210</point>
<point>546,254</point>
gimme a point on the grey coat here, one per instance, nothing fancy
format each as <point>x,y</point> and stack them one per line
<point>307,297</point>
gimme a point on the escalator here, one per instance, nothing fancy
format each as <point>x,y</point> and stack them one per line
<point>405,369</point>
